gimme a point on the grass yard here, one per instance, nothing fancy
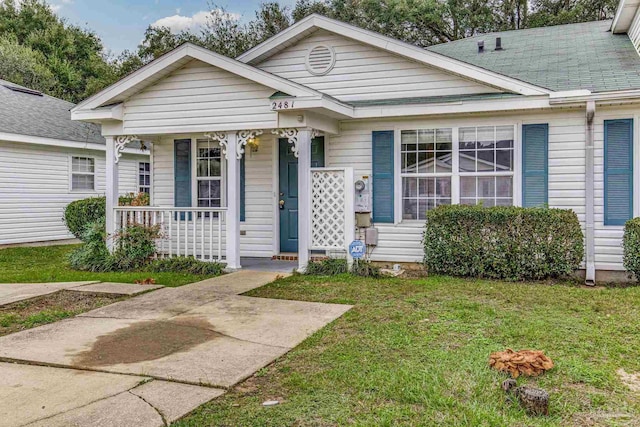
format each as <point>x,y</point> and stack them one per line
<point>49,264</point>
<point>48,309</point>
<point>415,352</point>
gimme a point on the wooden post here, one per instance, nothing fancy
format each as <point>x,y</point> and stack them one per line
<point>233,200</point>
<point>111,190</point>
<point>304,197</point>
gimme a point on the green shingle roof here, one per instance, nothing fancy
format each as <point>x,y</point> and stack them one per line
<point>562,57</point>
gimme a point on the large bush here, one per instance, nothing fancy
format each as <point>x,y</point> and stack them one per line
<point>631,245</point>
<point>93,254</point>
<point>502,242</point>
<point>80,214</point>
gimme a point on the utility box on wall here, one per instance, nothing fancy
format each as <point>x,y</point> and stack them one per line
<point>363,195</point>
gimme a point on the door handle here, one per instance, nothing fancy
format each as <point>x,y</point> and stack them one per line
<point>281,203</point>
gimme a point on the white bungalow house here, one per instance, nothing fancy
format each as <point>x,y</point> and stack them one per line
<point>47,161</point>
<point>258,156</point>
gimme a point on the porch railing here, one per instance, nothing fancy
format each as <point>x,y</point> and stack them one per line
<point>197,232</point>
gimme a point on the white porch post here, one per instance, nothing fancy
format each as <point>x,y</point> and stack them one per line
<point>111,189</point>
<point>304,197</point>
<point>233,202</point>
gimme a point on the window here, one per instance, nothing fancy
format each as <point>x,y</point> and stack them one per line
<point>209,173</point>
<point>426,161</point>
<point>144,177</point>
<point>82,173</point>
<point>486,165</point>
<point>481,166</point>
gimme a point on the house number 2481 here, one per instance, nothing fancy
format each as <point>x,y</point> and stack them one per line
<point>281,105</point>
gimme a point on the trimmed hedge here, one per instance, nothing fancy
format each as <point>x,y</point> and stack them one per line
<point>631,245</point>
<point>80,214</point>
<point>509,243</point>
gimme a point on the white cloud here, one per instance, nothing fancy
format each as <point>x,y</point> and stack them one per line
<point>177,22</point>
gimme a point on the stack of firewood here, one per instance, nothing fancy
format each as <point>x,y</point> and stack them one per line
<point>523,362</point>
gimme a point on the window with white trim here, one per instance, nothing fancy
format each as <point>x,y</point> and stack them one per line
<point>481,165</point>
<point>486,165</point>
<point>83,173</point>
<point>144,177</point>
<point>426,162</point>
<point>209,173</point>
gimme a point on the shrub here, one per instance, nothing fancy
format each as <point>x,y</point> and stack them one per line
<point>631,245</point>
<point>135,246</point>
<point>93,254</point>
<point>80,214</point>
<point>185,265</point>
<point>133,199</point>
<point>327,267</point>
<point>502,242</point>
<point>365,269</point>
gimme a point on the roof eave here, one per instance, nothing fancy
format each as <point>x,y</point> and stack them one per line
<point>191,51</point>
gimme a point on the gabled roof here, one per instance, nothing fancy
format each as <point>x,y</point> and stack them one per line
<point>560,58</point>
<point>43,116</point>
<point>173,60</point>
<point>311,23</point>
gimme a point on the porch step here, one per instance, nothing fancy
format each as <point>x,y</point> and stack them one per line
<point>294,257</point>
<point>285,257</point>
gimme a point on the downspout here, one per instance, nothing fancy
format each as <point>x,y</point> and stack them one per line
<point>590,278</point>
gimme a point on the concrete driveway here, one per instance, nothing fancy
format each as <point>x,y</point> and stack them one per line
<point>124,364</point>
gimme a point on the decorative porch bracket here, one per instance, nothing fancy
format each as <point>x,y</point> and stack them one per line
<point>243,136</point>
<point>292,136</point>
<point>120,144</point>
<point>221,137</point>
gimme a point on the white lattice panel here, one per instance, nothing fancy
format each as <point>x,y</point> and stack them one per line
<point>328,205</point>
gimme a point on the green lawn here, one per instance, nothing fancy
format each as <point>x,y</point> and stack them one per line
<point>415,352</point>
<point>49,264</point>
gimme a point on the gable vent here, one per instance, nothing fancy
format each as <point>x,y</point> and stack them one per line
<point>320,60</point>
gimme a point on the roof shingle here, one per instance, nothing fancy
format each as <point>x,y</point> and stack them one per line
<point>42,116</point>
<point>559,58</point>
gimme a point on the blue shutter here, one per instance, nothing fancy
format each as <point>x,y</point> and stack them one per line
<point>383,188</point>
<point>618,171</point>
<point>182,174</point>
<point>535,168</point>
<point>242,189</point>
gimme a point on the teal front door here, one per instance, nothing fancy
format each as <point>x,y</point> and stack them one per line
<point>288,190</point>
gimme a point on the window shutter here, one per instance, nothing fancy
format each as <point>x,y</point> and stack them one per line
<point>618,171</point>
<point>242,188</point>
<point>182,174</point>
<point>383,164</point>
<point>535,165</point>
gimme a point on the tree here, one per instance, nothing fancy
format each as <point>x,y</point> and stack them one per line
<point>72,57</point>
<point>23,65</point>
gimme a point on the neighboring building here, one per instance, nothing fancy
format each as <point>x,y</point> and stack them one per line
<point>47,161</point>
<point>544,116</point>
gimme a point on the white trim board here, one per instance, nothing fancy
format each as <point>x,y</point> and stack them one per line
<point>161,67</point>
<point>28,139</point>
<point>313,22</point>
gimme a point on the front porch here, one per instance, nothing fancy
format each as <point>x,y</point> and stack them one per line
<point>246,193</point>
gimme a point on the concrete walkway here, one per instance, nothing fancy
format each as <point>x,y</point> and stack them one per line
<point>192,342</point>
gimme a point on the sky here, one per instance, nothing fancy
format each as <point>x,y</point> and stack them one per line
<point>121,23</point>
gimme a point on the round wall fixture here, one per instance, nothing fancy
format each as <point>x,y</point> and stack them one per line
<point>320,59</point>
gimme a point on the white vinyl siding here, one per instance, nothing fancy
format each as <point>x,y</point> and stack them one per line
<point>402,242</point>
<point>363,72</point>
<point>634,31</point>
<point>34,189</point>
<point>199,98</point>
<point>259,227</point>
